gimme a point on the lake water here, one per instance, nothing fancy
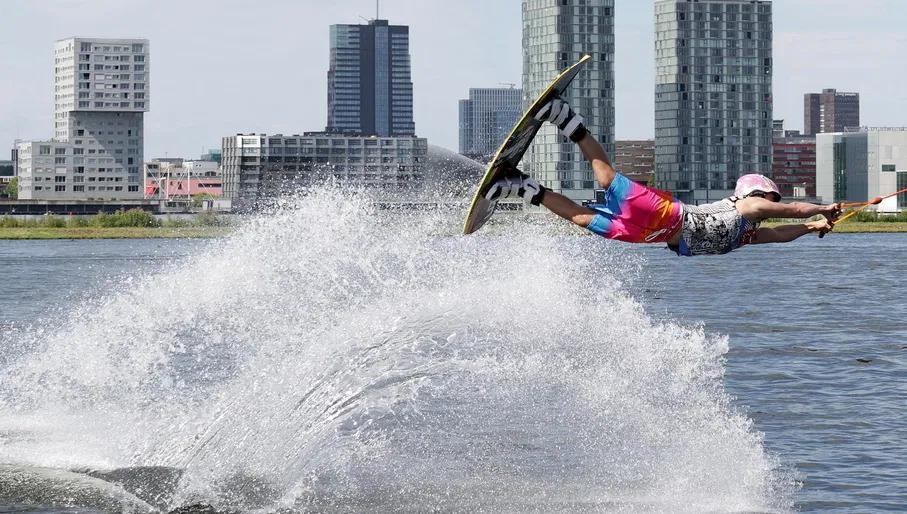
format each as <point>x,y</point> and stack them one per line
<point>351,362</point>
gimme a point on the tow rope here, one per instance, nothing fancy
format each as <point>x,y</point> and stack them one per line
<point>864,205</point>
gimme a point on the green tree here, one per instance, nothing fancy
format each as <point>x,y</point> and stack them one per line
<point>12,189</point>
<point>198,198</point>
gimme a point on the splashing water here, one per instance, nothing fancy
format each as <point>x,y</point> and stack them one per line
<point>332,355</point>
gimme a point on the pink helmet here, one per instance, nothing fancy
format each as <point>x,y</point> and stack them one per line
<point>753,183</point>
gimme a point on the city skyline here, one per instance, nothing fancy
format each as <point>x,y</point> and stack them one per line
<point>200,70</point>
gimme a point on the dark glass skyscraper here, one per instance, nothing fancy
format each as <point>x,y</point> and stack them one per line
<point>370,90</point>
<point>830,111</point>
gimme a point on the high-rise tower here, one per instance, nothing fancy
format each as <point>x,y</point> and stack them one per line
<point>713,95</point>
<point>556,34</point>
<point>830,111</point>
<point>486,119</point>
<point>101,92</point>
<point>370,90</point>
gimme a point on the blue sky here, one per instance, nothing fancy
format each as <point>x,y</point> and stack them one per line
<point>226,66</point>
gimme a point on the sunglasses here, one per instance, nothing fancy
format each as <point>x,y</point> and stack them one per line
<point>775,197</point>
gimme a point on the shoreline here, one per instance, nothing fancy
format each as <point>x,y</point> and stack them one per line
<point>36,233</point>
<point>203,232</point>
<point>861,227</point>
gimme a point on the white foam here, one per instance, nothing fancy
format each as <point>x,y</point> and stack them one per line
<point>332,353</point>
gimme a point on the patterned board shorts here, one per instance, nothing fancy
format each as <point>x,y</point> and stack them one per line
<point>636,214</point>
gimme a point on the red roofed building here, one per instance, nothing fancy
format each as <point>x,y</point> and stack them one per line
<point>182,187</point>
<point>171,179</point>
<point>794,165</point>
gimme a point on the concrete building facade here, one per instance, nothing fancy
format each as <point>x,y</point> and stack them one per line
<point>212,155</point>
<point>777,128</point>
<point>486,119</point>
<point>830,111</point>
<point>859,166</point>
<point>258,166</point>
<point>713,95</point>
<point>7,174</point>
<point>101,92</point>
<point>370,89</point>
<point>635,159</point>
<point>556,34</point>
<point>14,158</point>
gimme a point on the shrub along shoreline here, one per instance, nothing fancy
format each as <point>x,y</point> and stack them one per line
<point>862,222</point>
<point>139,224</point>
<point>133,224</point>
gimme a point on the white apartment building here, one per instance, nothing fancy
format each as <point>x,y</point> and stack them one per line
<point>859,166</point>
<point>259,165</point>
<point>101,92</point>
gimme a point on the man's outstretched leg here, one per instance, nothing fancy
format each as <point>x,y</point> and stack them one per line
<point>523,186</point>
<point>568,209</point>
<point>631,212</point>
<point>571,125</point>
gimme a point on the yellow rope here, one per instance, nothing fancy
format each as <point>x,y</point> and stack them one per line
<point>864,205</point>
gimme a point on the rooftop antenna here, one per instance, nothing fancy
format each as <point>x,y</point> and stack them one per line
<point>377,12</point>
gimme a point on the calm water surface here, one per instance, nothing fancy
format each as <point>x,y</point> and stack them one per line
<point>818,336</point>
<point>817,331</point>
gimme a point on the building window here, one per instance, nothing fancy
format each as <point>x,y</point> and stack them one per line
<point>839,178</point>
<point>902,184</point>
<point>890,167</point>
<point>59,188</point>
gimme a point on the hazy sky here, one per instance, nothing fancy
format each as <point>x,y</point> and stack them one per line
<point>219,67</point>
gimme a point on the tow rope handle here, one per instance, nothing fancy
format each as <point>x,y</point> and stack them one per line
<point>864,205</point>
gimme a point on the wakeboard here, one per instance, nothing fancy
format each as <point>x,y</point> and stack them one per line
<point>513,148</point>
